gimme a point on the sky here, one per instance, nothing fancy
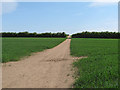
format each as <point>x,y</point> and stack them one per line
<point>69,17</point>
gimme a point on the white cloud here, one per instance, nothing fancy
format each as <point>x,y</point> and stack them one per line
<point>100,4</point>
<point>8,7</point>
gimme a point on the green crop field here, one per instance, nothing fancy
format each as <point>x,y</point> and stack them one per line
<point>100,69</point>
<point>15,48</point>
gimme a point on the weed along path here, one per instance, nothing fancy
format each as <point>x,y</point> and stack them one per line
<point>47,69</point>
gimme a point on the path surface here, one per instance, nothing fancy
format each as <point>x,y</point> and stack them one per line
<point>48,69</point>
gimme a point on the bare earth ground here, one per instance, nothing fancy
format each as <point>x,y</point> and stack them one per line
<point>48,69</point>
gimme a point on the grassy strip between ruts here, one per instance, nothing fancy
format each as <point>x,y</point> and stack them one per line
<point>100,69</point>
<point>15,48</point>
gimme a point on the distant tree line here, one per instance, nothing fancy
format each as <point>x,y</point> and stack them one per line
<point>97,35</point>
<point>27,34</point>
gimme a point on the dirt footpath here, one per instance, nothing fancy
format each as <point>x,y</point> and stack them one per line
<point>48,69</point>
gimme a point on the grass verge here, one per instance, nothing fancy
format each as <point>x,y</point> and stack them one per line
<point>100,69</point>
